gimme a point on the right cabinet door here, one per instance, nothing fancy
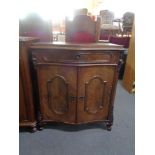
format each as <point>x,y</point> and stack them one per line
<point>94,92</point>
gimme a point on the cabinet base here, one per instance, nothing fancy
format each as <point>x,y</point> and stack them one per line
<point>106,125</point>
<point>109,126</point>
<point>27,125</point>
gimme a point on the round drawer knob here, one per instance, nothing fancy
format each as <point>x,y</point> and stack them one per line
<point>77,57</point>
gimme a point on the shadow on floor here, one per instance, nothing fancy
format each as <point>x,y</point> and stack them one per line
<point>69,128</point>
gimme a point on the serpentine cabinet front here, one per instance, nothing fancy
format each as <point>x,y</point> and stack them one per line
<point>75,85</point>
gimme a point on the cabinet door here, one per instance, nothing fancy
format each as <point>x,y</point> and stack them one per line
<point>94,92</point>
<point>57,91</point>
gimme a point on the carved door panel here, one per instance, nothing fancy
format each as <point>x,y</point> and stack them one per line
<point>94,93</point>
<point>57,91</point>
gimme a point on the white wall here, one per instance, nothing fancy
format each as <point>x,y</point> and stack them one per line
<point>57,9</point>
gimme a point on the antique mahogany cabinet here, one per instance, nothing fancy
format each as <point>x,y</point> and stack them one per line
<point>76,83</point>
<point>26,101</point>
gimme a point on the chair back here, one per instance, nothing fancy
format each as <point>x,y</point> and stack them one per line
<point>128,19</point>
<point>107,17</point>
<point>82,29</point>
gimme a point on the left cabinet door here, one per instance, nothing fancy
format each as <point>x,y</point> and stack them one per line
<point>57,92</point>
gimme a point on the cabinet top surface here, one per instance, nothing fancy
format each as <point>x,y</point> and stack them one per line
<point>27,39</point>
<point>76,46</point>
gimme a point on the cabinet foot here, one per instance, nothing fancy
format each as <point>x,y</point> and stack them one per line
<point>109,126</point>
<point>34,129</point>
<point>40,128</point>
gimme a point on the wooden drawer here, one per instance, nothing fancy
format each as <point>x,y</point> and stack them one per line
<point>76,56</point>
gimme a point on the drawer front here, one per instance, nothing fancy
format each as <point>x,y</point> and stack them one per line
<point>76,56</point>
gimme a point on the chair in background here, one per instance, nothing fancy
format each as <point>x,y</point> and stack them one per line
<point>107,24</point>
<point>34,26</point>
<point>128,19</point>
<point>82,11</point>
<point>83,29</point>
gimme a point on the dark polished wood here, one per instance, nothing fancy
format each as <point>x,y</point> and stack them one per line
<point>57,86</point>
<point>94,90</point>
<point>76,82</point>
<point>26,102</point>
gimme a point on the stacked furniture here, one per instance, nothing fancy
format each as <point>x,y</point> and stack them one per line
<point>73,82</point>
<point>76,83</point>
